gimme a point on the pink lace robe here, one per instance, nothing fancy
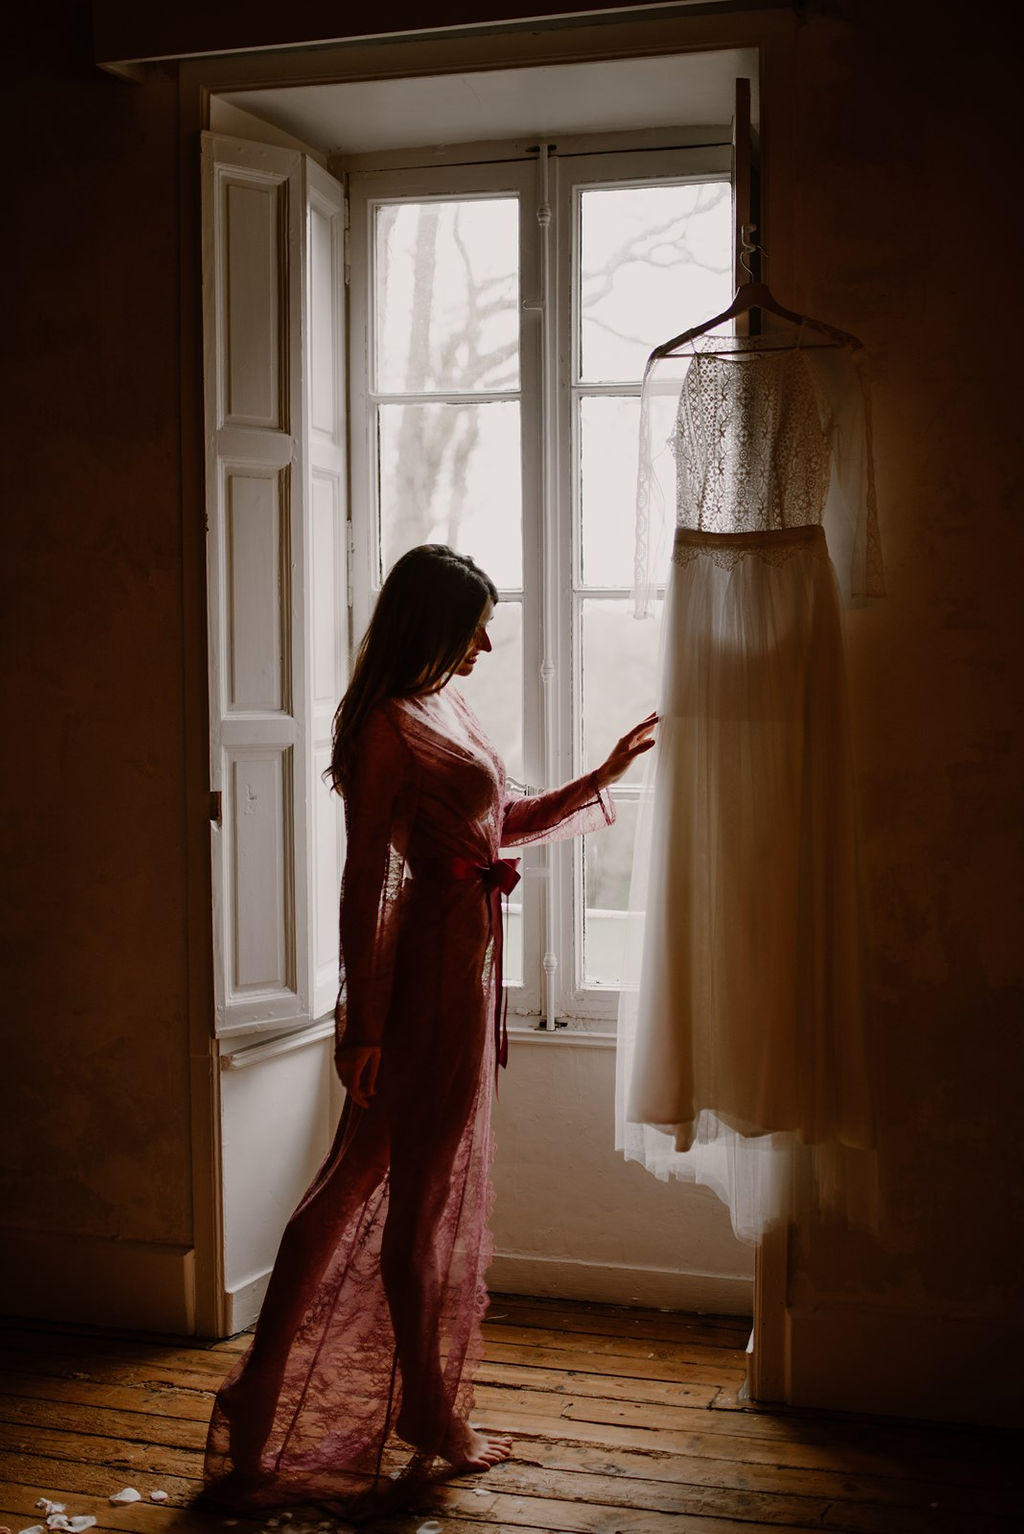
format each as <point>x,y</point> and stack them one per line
<point>370,1330</point>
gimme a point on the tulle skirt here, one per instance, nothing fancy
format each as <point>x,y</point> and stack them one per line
<point>742,1059</point>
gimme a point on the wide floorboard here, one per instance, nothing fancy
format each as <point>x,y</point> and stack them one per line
<point>624,1422</point>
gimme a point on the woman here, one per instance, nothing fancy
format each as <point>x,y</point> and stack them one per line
<point>371,1324</point>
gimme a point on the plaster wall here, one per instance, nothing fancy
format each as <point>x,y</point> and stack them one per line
<point>95,1140</point>
<point>902,207</point>
<point>572,1218</point>
<point>278,1117</point>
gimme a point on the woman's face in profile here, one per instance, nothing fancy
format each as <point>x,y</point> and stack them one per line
<point>478,642</point>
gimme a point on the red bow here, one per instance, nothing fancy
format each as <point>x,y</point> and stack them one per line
<point>498,878</point>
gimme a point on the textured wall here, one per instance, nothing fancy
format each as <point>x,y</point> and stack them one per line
<point>95,1138</point>
<point>903,220</point>
<point>571,1216</point>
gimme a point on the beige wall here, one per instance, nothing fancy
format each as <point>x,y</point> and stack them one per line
<point>95,1136</point>
<point>903,223</point>
<point>904,181</point>
<point>573,1218</point>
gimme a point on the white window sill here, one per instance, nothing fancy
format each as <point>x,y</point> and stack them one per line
<point>522,1030</point>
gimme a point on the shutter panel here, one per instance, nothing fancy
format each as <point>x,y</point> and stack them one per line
<point>275,564</point>
<point>328,551</point>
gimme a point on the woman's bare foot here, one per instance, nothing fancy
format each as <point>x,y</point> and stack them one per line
<point>466,1449</point>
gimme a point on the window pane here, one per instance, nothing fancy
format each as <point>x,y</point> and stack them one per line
<point>607,865</point>
<point>447,295</point>
<point>655,260</point>
<point>494,689</point>
<point>451,474</point>
<point>608,448</point>
<point>512,955</point>
<point>620,655</point>
<point>608,434</point>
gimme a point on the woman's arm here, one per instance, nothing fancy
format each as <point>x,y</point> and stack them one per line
<point>582,805</point>
<point>380,801</point>
<point>579,806</point>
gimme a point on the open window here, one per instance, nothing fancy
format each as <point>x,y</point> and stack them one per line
<point>502,314</point>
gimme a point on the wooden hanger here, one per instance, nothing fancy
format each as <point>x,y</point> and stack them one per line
<point>756,295</point>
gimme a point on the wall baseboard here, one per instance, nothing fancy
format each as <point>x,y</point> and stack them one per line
<point>564,1279</point>
<point>138,1285</point>
<point>245,1301</point>
<point>619,1284</point>
<point>904,1363</point>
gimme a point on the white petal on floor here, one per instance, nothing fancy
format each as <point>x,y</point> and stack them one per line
<point>36,1528</point>
<point>81,1522</point>
<point>158,1496</point>
<point>125,1495</point>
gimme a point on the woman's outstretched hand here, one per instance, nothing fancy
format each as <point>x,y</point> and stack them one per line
<point>357,1065</point>
<point>633,744</point>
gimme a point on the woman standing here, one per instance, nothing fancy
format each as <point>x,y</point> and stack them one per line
<point>370,1328</point>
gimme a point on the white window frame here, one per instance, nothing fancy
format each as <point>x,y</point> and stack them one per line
<point>577,172</point>
<point>551,524</point>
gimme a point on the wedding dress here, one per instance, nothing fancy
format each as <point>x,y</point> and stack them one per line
<point>743,1059</point>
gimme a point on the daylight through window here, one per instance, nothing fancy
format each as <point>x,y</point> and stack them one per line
<point>451,429</point>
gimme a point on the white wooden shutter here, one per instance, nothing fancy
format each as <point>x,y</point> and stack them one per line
<point>272,273</point>
<point>328,555</point>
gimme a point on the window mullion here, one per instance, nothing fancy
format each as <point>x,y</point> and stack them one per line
<point>552,670</point>
<point>535,867</point>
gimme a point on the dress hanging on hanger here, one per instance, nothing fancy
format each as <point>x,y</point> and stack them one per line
<point>743,1048</point>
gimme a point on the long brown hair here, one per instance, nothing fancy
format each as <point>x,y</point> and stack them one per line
<point>424,619</point>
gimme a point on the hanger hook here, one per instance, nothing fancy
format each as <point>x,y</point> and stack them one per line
<point>748,245</point>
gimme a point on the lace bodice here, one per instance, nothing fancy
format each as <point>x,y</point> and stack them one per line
<point>751,453</point>
<point>755,436</point>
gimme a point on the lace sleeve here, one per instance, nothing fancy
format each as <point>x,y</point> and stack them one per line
<point>380,803</point>
<point>850,515</point>
<point>655,507</point>
<point>563,812</point>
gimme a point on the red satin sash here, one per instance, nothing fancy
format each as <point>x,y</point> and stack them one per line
<point>498,878</point>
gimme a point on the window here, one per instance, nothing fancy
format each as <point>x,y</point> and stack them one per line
<point>494,398</point>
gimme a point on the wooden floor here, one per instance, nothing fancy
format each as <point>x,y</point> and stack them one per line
<point>624,1422</point>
